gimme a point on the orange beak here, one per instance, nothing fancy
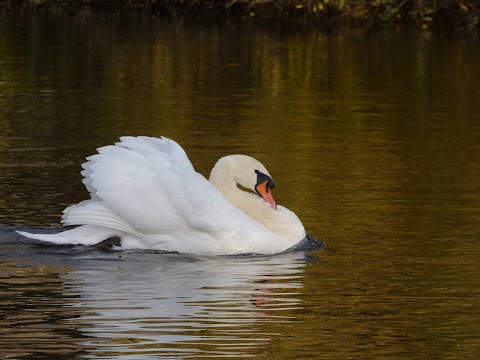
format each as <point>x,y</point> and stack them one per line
<point>266,194</point>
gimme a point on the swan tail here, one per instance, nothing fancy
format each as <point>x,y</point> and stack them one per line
<point>92,212</point>
<point>83,235</point>
<point>97,222</point>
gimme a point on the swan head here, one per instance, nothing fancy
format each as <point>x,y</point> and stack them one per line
<point>263,187</point>
<point>245,171</point>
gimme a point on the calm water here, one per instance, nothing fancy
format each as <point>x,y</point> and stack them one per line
<point>372,139</point>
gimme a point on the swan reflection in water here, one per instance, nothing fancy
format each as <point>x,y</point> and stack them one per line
<point>178,305</point>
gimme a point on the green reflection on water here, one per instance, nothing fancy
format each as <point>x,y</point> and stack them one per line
<point>373,140</point>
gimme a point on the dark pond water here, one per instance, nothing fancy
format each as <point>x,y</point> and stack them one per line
<point>372,139</point>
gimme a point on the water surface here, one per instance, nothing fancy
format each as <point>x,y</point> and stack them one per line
<point>372,139</point>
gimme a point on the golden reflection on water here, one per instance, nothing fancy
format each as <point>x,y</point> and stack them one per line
<point>373,140</point>
<point>35,310</point>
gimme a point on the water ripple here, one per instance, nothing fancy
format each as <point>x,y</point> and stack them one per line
<point>102,305</point>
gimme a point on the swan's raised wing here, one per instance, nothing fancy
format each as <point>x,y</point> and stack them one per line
<point>149,186</point>
<point>142,145</point>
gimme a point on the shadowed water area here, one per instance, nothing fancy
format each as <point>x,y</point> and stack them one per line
<point>373,140</point>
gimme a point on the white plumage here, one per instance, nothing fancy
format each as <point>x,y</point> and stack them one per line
<point>146,191</point>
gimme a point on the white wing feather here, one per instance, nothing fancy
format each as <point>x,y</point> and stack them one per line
<point>148,186</point>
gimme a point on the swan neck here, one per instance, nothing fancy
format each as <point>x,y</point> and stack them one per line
<point>223,178</point>
<point>220,177</point>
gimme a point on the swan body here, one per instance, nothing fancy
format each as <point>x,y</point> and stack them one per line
<point>146,192</point>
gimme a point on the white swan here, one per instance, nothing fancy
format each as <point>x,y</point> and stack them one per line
<point>146,192</point>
